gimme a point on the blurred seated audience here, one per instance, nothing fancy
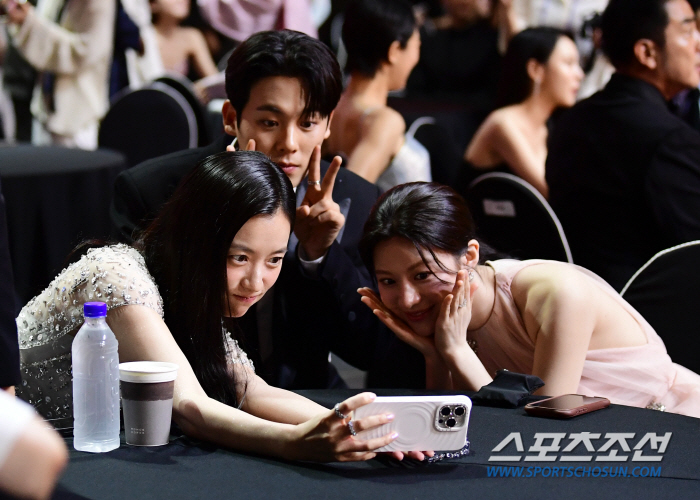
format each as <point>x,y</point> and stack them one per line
<point>32,454</point>
<point>579,17</point>
<point>459,59</point>
<point>18,78</point>
<point>470,318</point>
<point>541,73</point>
<point>71,43</point>
<point>234,21</point>
<point>382,43</point>
<point>180,46</point>
<point>178,295</point>
<point>623,171</point>
<point>136,59</point>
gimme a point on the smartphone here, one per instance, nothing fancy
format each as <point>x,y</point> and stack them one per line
<point>424,423</point>
<point>566,406</point>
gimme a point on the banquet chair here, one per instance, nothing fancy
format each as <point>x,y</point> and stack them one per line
<point>152,121</point>
<point>186,89</point>
<point>665,291</point>
<point>514,218</point>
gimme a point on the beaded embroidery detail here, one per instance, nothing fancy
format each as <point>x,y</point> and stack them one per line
<point>116,275</point>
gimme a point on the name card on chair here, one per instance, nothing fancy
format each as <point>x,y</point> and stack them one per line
<point>499,208</point>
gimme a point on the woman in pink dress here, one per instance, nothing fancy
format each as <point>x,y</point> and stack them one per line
<point>470,319</point>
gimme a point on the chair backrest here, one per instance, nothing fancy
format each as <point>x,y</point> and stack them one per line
<point>148,122</point>
<point>445,158</point>
<point>186,89</point>
<point>666,292</point>
<point>515,219</point>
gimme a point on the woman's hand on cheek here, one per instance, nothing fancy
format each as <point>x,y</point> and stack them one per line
<point>455,315</point>
<point>425,345</point>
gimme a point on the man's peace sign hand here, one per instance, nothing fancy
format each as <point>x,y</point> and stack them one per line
<point>319,219</point>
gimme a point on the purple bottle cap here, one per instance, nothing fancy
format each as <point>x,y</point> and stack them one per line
<point>95,309</point>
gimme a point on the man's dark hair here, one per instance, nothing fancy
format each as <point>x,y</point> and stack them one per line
<point>624,22</point>
<point>369,29</point>
<point>290,54</point>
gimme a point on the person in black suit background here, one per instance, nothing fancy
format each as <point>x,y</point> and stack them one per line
<point>623,171</point>
<point>282,88</point>
<point>9,348</point>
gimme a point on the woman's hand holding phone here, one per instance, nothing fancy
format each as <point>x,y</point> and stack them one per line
<point>329,438</point>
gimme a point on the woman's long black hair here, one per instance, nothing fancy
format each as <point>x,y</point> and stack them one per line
<point>187,245</point>
<point>430,215</point>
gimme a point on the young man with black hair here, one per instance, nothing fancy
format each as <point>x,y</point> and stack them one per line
<point>623,171</point>
<point>282,88</point>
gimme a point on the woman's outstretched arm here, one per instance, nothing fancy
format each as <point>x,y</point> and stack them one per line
<point>297,428</point>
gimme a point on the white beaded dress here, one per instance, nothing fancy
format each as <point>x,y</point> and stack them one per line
<point>116,275</point>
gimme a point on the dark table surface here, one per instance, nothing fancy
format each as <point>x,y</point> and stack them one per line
<point>184,469</point>
<point>55,198</point>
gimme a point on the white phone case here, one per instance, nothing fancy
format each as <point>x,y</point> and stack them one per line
<point>420,422</point>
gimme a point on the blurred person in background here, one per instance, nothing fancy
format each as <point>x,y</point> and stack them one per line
<point>623,171</point>
<point>541,73</point>
<point>459,60</point>
<point>383,46</point>
<point>579,17</point>
<point>233,21</point>
<point>70,42</point>
<point>18,78</point>
<point>180,47</point>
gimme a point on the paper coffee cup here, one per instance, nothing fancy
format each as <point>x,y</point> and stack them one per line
<point>147,401</point>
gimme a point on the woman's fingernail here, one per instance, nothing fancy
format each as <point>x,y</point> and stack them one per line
<point>394,435</point>
<point>372,396</point>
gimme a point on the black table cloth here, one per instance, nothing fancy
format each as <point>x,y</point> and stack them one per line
<point>55,198</point>
<point>184,469</point>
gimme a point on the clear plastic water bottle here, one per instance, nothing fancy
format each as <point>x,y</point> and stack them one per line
<point>95,383</point>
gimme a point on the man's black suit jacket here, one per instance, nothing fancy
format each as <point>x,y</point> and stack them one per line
<point>624,178</point>
<point>312,316</point>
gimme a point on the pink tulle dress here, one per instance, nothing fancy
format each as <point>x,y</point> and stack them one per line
<point>642,376</point>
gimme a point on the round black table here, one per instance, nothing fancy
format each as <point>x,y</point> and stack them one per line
<point>184,469</point>
<point>55,198</point>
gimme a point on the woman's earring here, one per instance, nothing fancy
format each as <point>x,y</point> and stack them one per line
<point>471,275</point>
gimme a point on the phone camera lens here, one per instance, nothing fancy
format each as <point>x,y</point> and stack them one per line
<point>459,411</point>
<point>445,410</point>
<point>450,422</point>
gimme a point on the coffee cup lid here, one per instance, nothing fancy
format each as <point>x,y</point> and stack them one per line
<point>145,372</point>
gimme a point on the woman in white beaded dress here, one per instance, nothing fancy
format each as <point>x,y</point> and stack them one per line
<point>214,250</point>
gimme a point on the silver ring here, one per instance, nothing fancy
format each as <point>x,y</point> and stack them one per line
<point>314,183</point>
<point>338,413</point>
<point>462,304</point>
<point>351,426</point>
